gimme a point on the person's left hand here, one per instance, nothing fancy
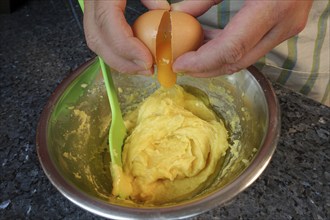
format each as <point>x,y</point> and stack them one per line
<point>256,29</point>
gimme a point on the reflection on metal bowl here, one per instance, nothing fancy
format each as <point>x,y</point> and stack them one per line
<point>73,129</point>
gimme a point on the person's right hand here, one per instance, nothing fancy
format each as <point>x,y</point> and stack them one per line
<point>109,35</point>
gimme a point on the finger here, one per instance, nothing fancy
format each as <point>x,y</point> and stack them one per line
<point>114,40</point>
<point>121,64</point>
<point>193,7</point>
<point>210,34</point>
<point>273,38</point>
<point>239,37</point>
<point>223,70</point>
<point>267,43</point>
<point>156,4</point>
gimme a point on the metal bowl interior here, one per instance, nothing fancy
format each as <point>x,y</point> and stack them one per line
<point>73,129</point>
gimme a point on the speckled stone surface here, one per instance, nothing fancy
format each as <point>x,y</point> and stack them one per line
<point>41,42</point>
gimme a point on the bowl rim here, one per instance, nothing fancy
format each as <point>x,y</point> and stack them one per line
<point>188,209</point>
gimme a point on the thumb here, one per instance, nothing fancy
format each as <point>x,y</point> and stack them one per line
<point>193,7</point>
<point>156,4</point>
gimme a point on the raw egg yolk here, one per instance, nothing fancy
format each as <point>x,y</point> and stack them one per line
<point>166,76</point>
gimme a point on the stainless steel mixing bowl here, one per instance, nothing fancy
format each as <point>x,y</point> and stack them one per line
<point>73,128</point>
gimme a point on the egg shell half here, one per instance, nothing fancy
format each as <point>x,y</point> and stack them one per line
<point>187,33</point>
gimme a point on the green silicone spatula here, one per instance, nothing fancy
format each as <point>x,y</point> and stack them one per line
<point>117,131</point>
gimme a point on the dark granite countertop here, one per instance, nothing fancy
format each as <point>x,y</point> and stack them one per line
<point>42,41</point>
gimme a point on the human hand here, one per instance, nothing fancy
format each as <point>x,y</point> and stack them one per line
<point>256,29</point>
<point>109,35</point>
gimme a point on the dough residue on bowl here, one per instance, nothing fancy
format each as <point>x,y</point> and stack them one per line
<point>174,147</point>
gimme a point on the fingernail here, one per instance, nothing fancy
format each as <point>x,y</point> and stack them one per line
<point>175,6</point>
<point>140,63</point>
<point>145,72</point>
<point>163,5</point>
<point>178,70</point>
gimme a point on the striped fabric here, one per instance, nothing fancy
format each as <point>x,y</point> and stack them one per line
<point>300,63</point>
